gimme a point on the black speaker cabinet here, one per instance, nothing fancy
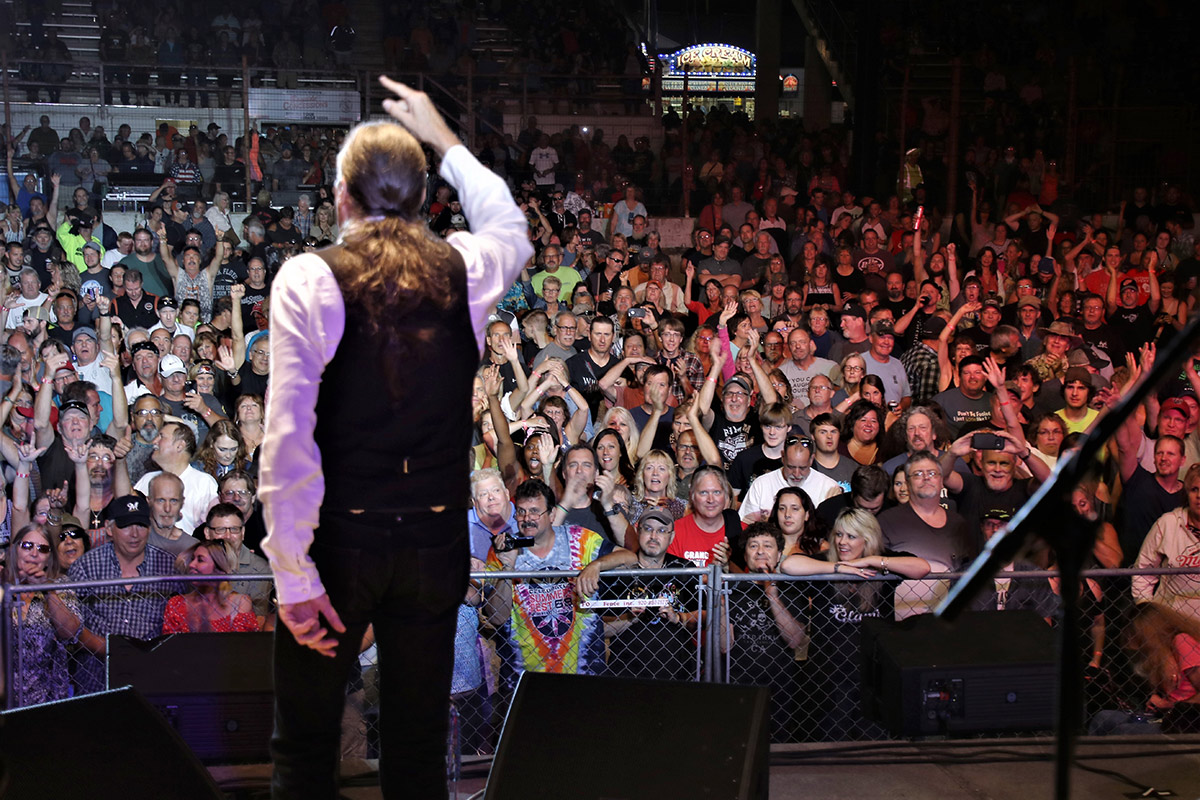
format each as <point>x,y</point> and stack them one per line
<point>107,746</point>
<point>989,671</point>
<point>592,738</point>
<point>215,689</point>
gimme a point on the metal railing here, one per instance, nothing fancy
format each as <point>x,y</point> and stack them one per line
<point>720,628</point>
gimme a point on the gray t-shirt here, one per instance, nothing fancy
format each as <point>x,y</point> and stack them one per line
<point>799,377</point>
<point>961,410</point>
<point>895,379</point>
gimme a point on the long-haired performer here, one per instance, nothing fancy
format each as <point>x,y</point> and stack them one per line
<point>374,346</point>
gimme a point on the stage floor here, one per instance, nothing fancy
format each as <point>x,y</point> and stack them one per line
<point>994,769</point>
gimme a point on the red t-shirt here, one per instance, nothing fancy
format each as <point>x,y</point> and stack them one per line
<point>692,543</point>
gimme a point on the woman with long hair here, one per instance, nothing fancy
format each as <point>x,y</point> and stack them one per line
<point>820,288</point>
<point>249,413</point>
<point>1163,647</point>
<point>655,485</point>
<point>796,516</point>
<point>223,449</point>
<point>711,305</point>
<point>613,457</point>
<point>48,620</point>
<point>837,608</point>
<point>211,606</point>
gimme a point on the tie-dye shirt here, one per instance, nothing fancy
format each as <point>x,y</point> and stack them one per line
<point>546,631</point>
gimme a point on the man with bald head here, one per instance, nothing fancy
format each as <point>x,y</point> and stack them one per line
<point>803,365</point>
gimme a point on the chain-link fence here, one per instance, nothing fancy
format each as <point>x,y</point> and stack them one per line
<point>797,635</point>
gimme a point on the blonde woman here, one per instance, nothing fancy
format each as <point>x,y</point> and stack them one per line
<point>655,485</point>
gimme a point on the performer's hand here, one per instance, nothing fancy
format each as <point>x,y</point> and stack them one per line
<point>304,621</point>
<point>415,111</point>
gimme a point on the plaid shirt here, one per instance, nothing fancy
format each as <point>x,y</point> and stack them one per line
<point>921,365</point>
<point>137,612</point>
<point>692,369</point>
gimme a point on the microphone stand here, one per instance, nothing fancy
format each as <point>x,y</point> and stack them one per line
<point>1048,513</point>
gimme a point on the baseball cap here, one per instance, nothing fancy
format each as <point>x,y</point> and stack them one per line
<point>166,301</point>
<point>129,510</point>
<point>722,240</point>
<point>1128,283</point>
<point>85,331</point>
<point>74,405</point>
<point>1029,300</point>
<point>993,302</point>
<point>1175,404</point>
<point>1045,265</point>
<point>854,310</point>
<point>171,365</point>
<point>933,328</point>
<point>737,380</point>
<point>658,515</point>
<point>882,327</point>
<point>92,245</point>
<point>1001,514</point>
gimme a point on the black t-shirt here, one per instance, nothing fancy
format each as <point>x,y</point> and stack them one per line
<point>1143,501</point>
<point>852,283</point>
<point>1134,325</point>
<point>585,376</point>
<point>961,410</point>
<point>731,437</point>
<point>281,235</point>
<point>903,529</point>
<point>252,306</point>
<point>650,646</point>
<point>748,465</point>
<point>232,178</point>
<point>229,273</point>
<point>138,315</point>
<point>976,498</point>
<point>252,383</point>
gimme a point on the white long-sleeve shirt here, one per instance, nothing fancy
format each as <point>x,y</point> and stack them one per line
<point>308,317</point>
<point>1170,543</point>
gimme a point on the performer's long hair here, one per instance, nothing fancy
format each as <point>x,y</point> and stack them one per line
<point>391,262</point>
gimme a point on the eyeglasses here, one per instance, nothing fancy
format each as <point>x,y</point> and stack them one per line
<point>925,474</point>
<point>236,493</point>
<point>616,260</point>
<point>40,547</point>
<point>529,514</point>
<point>803,441</point>
<point>148,412</point>
<point>260,352</point>
<point>70,533</point>
<point>104,459</point>
<point>851,368</point>
<point>225,531</point>
<point>686,447</point>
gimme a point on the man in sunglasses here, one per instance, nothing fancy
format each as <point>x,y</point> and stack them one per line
<point>796,471</point>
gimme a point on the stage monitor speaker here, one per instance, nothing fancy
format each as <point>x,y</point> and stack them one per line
<point>593,738</point>
<point>107,746</point>
<point>989,671</point>
<point>215,689</point>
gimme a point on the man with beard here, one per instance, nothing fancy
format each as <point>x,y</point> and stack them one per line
<point>541,625</point>
<point>854,333</point>
<point>146,379</point>
<point>562,346</point>
<point>797,472</point>
<point>648,642</point>
<point>996,486</point>
<point>166,506</point>
<point>98,478</point>
<point>729,426</point>
<point>147,261</point>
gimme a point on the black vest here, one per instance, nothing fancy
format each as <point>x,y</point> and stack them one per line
<point>381,452</point>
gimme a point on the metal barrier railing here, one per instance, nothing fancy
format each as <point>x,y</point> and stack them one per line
<point>795,634</point>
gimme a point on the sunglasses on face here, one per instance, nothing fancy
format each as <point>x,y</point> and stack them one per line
<point>69,533</point>
<point>39,546</point>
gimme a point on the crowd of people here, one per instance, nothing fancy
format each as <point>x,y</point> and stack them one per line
<point>819,383</point>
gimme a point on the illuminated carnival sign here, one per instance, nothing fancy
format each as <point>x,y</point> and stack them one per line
<point>715,60</point>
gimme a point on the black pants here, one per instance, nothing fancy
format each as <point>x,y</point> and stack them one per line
<point>406,578</point>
